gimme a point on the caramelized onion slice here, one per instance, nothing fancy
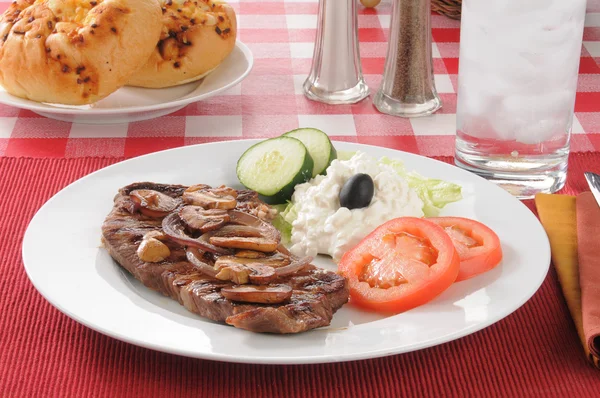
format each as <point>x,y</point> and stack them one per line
<point>174,227</point>
<point>258,294</point>
<point>295,266</point>
<point>267,230</point>
<point>283,250</point>
<point>193,255</point>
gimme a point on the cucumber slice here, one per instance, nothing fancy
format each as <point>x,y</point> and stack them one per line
<point>274,167</point>
<point>319,147</point>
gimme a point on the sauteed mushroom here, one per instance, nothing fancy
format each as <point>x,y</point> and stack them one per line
<point>257,244</point>
<point>243,273</point>
<point>156,235</point>
<point>153,203</point>
<point>219,198</point>
<point>250,254</point>
<point>258,294</point>
<point>241,231</point>
<point>250,233</point>
<point>224,191</point>
<point>276,260</point>
<point>151,249</point>
<point>199,219</point>
<point>237,274</point>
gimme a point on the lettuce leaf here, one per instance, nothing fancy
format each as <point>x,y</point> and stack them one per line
<point>434,193</point>
<point>281,221</point>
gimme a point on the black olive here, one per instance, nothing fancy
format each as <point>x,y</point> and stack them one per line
<point>357,192</point>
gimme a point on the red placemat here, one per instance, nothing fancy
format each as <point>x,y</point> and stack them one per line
<point>533,352</point>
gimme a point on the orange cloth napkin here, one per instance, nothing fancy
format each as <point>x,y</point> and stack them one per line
<point>573,228</point>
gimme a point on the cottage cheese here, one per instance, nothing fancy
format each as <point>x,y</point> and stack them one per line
<point>322,226</point>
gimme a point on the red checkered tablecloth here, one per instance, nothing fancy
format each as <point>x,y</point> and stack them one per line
<point>535,352</point>
<point>269,101</point>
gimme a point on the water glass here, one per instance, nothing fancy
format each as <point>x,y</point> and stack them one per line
<point>517,81</point>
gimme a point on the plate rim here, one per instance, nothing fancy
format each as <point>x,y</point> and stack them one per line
<point>286,360</point>
<point>41,107</point>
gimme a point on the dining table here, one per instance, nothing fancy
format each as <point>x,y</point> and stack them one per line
<point>534,352</point>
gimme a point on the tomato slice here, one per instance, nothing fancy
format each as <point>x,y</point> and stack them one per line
<point>477,245</point>
<point>404,263</point>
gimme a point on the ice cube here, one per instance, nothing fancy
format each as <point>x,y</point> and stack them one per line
<point>503,126</point>
<point>532,107</point>
<point>472,100</point>
<point>510,66</point>
<point>539,117</point>
<point>507,9</point>
<point>541,130</point>
<point>477,126</point>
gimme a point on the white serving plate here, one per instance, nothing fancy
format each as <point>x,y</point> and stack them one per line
<point>131,104</point>
<point>64,260</point>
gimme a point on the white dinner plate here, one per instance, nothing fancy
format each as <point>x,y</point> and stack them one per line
<point>130,104</point>
<point>64,260</point>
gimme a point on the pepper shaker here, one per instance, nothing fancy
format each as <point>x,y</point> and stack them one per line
<point>336,73</point>
<point>408,87</point>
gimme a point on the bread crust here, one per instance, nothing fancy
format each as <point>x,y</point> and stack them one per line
<point>196,37</point>
<point>75,52</point>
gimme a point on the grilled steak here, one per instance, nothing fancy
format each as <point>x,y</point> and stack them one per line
<point>316,293</point>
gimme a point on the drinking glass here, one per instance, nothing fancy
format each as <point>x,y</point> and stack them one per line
<point>517,81</point>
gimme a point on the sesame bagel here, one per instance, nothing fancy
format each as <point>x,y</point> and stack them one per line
<point>196,37</point>
<point>75,52</point>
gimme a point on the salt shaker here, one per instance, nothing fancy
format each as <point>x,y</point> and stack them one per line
<point>336,73</point>
<point>408,87</point>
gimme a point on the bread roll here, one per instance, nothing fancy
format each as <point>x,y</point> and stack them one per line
<point>196,38</point>
<point>75,51</point>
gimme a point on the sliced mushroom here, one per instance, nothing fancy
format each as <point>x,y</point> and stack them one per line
<point>242,231</point>
<point>224,191</point>
<point>199,195</point>
<point>152,250</point>
<point>240,273</point>
<point>153,203</point>
<point>250,254</point>
<point>257,244</point>
<point>198,187</point>
<point>199,219</point>
<point>258,294</point>
<point>156,235</point>
<point>276,261</point>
